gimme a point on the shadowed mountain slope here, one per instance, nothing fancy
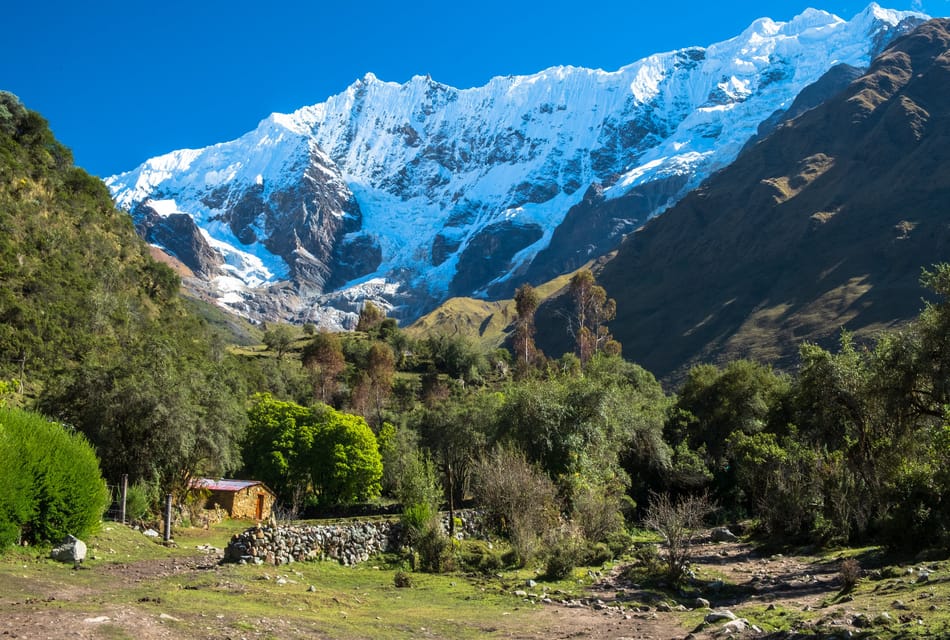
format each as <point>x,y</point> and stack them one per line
<point>826,223</point>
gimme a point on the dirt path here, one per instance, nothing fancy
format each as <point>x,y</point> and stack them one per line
<point>613,607</point>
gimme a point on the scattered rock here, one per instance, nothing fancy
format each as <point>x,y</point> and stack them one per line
<point>72,550</point>
<point>722,534</point>
<point>883,618</point>
<point>701,603</point>
<point>151,533</point>
<point>861,621</point>
<point>718,616</point>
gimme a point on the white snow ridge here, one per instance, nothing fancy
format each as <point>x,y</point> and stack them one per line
<point>444,176</point>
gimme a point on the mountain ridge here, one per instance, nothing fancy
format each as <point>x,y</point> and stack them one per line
<point>824,224</point>
<point>425,191</point>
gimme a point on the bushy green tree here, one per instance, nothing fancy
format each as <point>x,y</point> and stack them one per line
<point>587,429</point>
<point>279,339</point>
<point>345,465</point>
<point>54,488</point>
<point>319,450</point>
<point>277,444</point>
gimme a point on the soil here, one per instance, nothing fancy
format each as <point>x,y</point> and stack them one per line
<point>613,607</point>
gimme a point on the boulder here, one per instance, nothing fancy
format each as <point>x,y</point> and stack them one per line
<point>722,534</point>
<point>717,616</point>
<point>72,550</point>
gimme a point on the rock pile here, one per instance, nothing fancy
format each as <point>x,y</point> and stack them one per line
<point>348,544</point>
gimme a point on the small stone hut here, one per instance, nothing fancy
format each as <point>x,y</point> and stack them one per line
<point>240,498</point>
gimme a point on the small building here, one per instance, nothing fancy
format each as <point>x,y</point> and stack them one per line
<point>240,498</point>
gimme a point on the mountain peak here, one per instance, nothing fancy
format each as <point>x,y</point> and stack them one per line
<point>445,191</point>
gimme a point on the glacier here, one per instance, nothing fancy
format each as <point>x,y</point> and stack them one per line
<point>431,191</point>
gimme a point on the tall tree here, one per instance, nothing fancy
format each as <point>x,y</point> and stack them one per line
<point>381,365</point>
<point>324,361</point>
<point>526,352</point>
<point>593,310</point>
<point>371,317</point>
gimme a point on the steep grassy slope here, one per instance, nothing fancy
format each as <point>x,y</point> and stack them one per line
<point>487,321</point>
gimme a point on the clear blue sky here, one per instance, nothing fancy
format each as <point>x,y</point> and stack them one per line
<point>122,82</point>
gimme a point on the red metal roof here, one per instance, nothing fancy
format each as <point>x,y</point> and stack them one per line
<point>223,484</point>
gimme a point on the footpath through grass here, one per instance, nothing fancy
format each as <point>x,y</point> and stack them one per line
<point>133,587</point>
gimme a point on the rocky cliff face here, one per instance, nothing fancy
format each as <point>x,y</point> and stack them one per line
<point>409,193</point>
<point>824,224</point>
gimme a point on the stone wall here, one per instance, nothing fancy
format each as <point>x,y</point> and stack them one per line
<point>348,543</point>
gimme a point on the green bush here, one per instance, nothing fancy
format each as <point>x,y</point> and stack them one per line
<point>435,550</point>
<point>561,560</point>
<point>478,555</point>
<point>139,500</point>
<point>596,554</point>
<point>619,542</point>
<point>55,490</point>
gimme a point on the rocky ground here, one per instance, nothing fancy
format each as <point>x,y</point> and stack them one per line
<point>728,576</point>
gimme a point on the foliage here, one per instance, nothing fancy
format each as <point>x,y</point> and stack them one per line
<point>586,428</point>
<point>297,450</point>
<point>158,411</point>
<point>324,361</point>
<point>519,500</point>
<point>279,339</point>
<point>371,317</point>
<point>678,521</point>
<point>455,433</point>
<point>592,311</point>
<point>712,405</point>
<point>94,328</point>
<point>140,499</point>
<point>345,465</point>
<point>55,488</point>
<point>527,355</point>
<point>409,474</point>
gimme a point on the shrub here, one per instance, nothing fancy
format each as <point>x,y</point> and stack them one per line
<point>55,490</point>
<point>520,501</point>
<point>596,554</point>
<point>478,555</point>
<point>678,522</point>
<point>423,534</point>
<point>619,542</point>
<point>646,563</point>
<point>139,499</point>
<point>599,510</point>
<point>435,550</point>
<point>849,571</point>
<point>564,551</point>
<point>561,561</point>
<point>402,580</point>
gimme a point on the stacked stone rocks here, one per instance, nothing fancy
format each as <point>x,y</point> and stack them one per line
<point>348,544</point>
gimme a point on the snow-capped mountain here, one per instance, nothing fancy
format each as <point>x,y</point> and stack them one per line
<point>409,193</point>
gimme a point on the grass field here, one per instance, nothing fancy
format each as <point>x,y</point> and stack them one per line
<point>131,587</point>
